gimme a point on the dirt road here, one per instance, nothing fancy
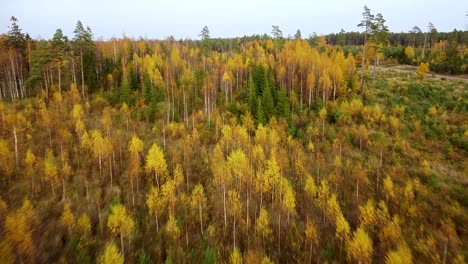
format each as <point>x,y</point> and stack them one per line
<point>412,69</point>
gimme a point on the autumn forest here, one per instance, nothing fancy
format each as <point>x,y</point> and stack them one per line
<point>260,149</point>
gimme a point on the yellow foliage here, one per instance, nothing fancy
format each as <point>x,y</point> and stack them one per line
<point>84,226</point>
<point>409,52</point>
<point>18,229</point>
<point>6,158</point>
<point>323,113</point>
<point>168,194</point>
<point>342,227</point>
<point>402,255</point>
<point>360,247</point>
<point>50,168</point>
<point>120,222</point>
<point>153,200</point>
<point>266,260</point>
<point>110,255</point>
<point>135,145</point>
<point>310,187</point>
<point>172,228</point>
<point>155,161</point>
<point>77,112</point>
<point>391,233</point>
<point>262,225</point>
<point>333,207</point>
<point>198,197</point>
<point>356,106</point>
<point>67,219</point>
<point>423,69</point>
<point>234,203</point>
<point>425,167</point>
<point>388,187</point>
<point>236,257</point>
<point>367,215</point>
<point>238,163</point>
<point>30,158</point>
<point>289,199</point>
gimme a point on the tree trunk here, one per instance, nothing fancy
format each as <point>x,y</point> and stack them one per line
<point>323,128</point>
<point>59,78</point>
<point>201,217</point>
<point>52,187</point>
<point>224,205</point>
<point>357,190</point>
<point>341,247</point>
<point>63,189</point>
<point>73,71</point>
<point>100,219</point>
<point>247,220</point>
<point>234,233</point>
<point>100,164</point>
<point>16,146</point>
<point>164,137</point>
<point>157,222</point>
<point>122,243</point>
<point>133,193</point>
<point>279,234</point>
<point>310,253</point>
<point>87,191</point>
<point>110,170</point>
<point>156,178</point>
<point>13,68</point>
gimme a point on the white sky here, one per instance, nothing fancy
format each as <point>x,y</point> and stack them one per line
<point>225,18</point>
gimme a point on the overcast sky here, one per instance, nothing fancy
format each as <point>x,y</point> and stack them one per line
<point>225,18</point>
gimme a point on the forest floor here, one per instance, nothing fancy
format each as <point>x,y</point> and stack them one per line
<point>412,69</point>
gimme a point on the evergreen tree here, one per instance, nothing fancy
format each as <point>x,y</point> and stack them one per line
<point>252,96</point>
<point>59,49</point>
<point>125,92</point>
<point>147,90</point>
<point>282,107</point>
<point>267,101</point>
<point>453,59</point>
<point>259,78</point>
<point>260,114</point>
<point>16,38</point>
<point>85,51</point>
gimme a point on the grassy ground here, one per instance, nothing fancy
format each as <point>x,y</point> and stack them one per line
<point>434,120</point>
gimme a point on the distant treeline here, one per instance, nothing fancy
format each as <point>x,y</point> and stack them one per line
<point>395,39</point>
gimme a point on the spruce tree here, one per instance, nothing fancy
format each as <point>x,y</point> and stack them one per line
<point>252,96</point>
<point>260,114</point>
<point>268,103</point>
<point>282,107</point>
